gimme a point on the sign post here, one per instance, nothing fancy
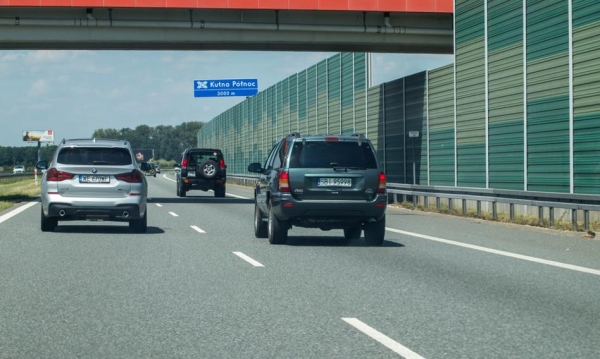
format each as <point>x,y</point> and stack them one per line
<point>225,88</point>
<point>39,137</point>
<point>414,135</point>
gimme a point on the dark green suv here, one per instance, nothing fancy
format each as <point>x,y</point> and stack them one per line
<point>320,181</point>
<point>201,169</point>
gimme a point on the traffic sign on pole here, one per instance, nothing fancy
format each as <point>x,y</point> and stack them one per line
<point>225,88</point>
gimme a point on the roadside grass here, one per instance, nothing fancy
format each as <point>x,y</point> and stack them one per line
<point>560,224</point>
<point>16,191</point>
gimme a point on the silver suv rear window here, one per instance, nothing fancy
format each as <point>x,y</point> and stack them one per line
<point>94,156</point>
<point>326,154</point>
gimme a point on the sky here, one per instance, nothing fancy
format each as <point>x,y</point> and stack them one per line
<point>75,93</point>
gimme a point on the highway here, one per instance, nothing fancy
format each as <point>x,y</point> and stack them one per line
<point>200,285</point>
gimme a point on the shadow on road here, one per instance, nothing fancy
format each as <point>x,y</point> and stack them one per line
<point>199,199</point>
<point>321,241</point>
<point>102,229</point>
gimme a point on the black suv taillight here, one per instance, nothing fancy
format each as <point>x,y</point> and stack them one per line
<point>54,175</point>
<point>184,163</point>
<point>222,164</point>
<point>134,176</point>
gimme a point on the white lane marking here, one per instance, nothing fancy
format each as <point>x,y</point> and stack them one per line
<point>502,253</point>
<point>383,339</point>
<point>197,229</point>
<point>158,205</point>
<point>248,259</point>
<point>16,211</point>
<point>236,196</point>
<point>173,214</point>
<point>167,178</point>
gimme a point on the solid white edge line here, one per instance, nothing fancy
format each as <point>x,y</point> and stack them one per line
<point>498,252</point>
<point>16,211</point>
<point>173,214</point>
<point>383,339</point>
<point>248,259</point>
<point>197,229</point>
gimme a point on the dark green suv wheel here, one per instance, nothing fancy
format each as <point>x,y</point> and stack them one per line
<point>375,232</point>
<point>260,226</point>
<point>277,229</point>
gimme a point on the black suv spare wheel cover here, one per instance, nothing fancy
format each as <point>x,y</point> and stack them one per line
<point>207,169</point>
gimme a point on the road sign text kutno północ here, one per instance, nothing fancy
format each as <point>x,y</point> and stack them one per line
<point>225,88</point>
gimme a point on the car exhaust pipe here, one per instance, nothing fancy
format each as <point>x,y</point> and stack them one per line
<point>61,213</point>
<point>125,214</point>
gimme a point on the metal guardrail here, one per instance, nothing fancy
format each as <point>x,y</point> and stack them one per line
<point>550,200</point>
<point>10,177</point>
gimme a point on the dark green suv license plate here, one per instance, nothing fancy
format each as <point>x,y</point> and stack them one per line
<point>93,179</point>
<point>334,182</point>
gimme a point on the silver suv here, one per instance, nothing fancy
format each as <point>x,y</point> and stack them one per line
<point>94,179</point>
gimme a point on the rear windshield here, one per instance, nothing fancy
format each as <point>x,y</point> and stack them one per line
<point>199,157</point>
<point>327,154</point>
<point>94,156</point>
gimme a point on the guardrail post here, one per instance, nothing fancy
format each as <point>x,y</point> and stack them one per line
<point>403,198</point>
<point>494,210</point>
<point>574,219</point>
<point>395,197</point>
<point>426,202</point>
<point>540,214</point>
<point>512,211</point>
<point>450,204</point>
<point>438,204</point>
<point>551,215</point>
<point>464,206</point>
<point>479,208</point>
<point>586,220</point>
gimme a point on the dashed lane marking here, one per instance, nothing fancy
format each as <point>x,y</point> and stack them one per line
<point>248,259</point>
<point>383,339</point>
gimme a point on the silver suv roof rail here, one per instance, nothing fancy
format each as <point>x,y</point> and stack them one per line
<point>94,139</point>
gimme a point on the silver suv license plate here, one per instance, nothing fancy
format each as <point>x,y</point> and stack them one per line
<point>93,179</point>
<point>334,182</point>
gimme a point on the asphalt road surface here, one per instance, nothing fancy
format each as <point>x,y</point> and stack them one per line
<point>200,285</point>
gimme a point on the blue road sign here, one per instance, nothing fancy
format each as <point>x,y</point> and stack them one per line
<point>225,88</point>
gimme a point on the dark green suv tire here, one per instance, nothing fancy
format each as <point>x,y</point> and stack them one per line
<point>375,232</point>
<point>260,226</point>
<point>277,229</point>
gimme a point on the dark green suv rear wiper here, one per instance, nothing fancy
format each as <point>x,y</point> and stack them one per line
<point>337,167</point>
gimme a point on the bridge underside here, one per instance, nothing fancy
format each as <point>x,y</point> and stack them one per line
<point>199,29</point>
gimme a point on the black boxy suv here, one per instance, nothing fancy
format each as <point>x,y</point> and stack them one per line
<point>320,181</point>
<point>202,169</point>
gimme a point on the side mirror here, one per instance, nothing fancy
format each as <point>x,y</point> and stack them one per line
<point>145,166</point>
<point>42,165</point>
<point>177,165</point>
<point>255,167</point>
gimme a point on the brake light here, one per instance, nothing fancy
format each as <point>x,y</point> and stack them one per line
<point>382,183</point>
<point>54,175</point>
<point>184,163</point>
<point>222,164</point>
<point>284,182</point>
<point>134,176</point>
<point>334,139</point>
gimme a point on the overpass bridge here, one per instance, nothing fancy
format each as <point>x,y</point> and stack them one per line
<point>393,26</point>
